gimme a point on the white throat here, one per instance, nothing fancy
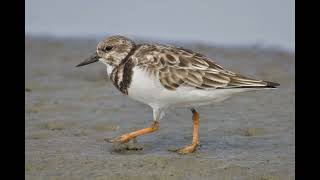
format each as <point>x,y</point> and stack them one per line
<point>109,67</point>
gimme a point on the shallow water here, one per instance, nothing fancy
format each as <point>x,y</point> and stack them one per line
<point>69,111</point>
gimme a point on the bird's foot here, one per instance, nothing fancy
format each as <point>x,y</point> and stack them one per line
<point>120,139</point>
<point>127,137</point>
<point>185,150</point>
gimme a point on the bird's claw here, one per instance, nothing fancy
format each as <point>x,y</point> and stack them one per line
<point>119,139</point>
<point>185,150</point>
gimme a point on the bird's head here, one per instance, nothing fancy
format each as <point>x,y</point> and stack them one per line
<point>111,51</point>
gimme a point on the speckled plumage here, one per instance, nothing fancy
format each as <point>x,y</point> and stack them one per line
<point>177,67</point>
<point>172,66</point>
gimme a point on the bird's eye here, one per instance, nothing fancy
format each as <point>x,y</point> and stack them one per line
<point>108,48</point>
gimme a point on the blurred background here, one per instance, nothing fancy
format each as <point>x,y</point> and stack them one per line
<point>69,111</point>
<point>222,22</point>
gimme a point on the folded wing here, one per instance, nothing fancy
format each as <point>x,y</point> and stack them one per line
<point>177,67</point>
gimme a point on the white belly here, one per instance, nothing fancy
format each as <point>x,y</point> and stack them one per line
<point>149,90</point>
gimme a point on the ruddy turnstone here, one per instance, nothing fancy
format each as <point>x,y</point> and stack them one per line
<point>164,77</point>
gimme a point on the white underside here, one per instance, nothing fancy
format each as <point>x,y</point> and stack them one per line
<point>148,90</point>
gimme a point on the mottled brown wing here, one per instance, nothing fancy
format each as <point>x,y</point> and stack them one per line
<point>181,67</point>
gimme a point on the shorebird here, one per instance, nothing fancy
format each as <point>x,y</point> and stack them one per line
<point>166,77</point>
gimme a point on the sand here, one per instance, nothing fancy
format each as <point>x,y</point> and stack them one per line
<point>70,111</point>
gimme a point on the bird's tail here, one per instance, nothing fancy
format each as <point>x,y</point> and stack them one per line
<point>271,84</point>
<point>245,82</point>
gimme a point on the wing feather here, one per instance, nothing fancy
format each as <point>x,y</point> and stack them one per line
<point>175,67</point>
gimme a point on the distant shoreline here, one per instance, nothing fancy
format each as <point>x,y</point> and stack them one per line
<point>97,38</point>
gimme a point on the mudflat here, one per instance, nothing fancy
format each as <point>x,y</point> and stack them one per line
<point>70,111</point>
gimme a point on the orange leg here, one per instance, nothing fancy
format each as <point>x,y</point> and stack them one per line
<point>195,135</point>
<point>127,137</point>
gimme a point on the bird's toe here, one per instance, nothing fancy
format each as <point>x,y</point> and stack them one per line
<point>185,150</point>
<point>119,139</point>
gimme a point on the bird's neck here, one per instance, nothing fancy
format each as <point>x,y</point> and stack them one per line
<point>110,69</point>
<point>121,75</point>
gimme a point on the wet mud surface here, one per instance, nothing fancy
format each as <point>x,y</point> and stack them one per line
<point>70,111</point>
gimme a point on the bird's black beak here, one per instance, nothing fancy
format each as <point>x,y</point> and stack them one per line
<point>91,59</point>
